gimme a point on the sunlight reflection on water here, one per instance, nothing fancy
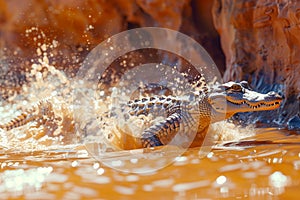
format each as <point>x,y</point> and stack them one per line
<point>223,173</point>
<point>278,181</point>
<point>20,180</point>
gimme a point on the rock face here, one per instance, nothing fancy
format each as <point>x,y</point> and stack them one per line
<point>78,26</point>
<point>261,42</point>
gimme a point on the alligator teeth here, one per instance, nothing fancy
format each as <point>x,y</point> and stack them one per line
<point>256,106</point>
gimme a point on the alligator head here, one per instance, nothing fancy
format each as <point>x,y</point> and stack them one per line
<point>230,98</point>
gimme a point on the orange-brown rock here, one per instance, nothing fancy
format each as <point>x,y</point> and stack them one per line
<point>78,26</point>
<point>70,29</point>
<point>261,41</point>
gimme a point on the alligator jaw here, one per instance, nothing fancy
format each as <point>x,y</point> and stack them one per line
<point>237,97</point>
<point>248,106</point>
<point>226,104</point>
<point>250,101</point>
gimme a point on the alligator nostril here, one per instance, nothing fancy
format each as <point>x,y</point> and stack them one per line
<point>272,93</point>
<point>280,94</point>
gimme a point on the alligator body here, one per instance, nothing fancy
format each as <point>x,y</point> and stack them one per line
<point>194,113</point>
<point>187,115</point>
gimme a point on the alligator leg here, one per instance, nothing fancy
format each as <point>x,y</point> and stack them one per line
<point>162,132</point>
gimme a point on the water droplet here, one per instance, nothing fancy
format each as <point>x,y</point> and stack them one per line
<point>74,163</point>
<point>96,165</point>
<point>278,180</point>
<point>100,171</point>
<point>221,180</point>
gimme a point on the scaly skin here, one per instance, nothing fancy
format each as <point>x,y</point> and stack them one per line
<point>216,104</point>
<point>187,115</point>
<point>37,113</point>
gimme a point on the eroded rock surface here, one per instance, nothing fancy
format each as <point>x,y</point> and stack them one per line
<point>261,41</point>
<point>76,27</point>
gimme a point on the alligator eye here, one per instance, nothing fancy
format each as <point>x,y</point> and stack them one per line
<point>236,87</point>
<point>244,84</point>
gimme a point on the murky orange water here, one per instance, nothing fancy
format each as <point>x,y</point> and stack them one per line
<point>265,166</point>
<point>41,163</point>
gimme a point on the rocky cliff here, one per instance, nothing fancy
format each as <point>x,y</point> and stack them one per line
<point>261,42</point>
<point>77,26</point>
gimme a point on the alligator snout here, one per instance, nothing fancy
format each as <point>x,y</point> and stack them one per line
<point>272,93</point>
<point>274,96</point>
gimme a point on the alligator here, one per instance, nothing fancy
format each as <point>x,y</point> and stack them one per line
<point>189,114</point>
<point>199,109</point>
